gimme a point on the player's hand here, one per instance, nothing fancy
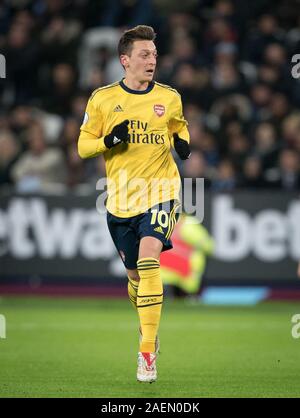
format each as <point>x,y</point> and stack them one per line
<point>118,134</point>
<point>181,147</point>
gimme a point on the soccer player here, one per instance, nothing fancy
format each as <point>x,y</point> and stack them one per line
<point>134,123</point>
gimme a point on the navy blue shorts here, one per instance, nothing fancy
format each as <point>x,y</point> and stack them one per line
<point>158,222</point>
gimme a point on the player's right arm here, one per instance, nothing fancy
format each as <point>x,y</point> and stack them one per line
<point>92,142</point>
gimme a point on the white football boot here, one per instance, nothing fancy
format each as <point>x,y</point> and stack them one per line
<point>146,371</point>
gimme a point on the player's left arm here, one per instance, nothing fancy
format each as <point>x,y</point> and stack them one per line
<point>179,134</point>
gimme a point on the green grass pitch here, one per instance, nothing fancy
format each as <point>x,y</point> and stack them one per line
<point>88,348</point>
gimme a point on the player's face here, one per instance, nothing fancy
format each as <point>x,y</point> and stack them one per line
<point>141,63</point>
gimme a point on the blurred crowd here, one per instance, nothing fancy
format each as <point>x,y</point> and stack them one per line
<point>230,60</point>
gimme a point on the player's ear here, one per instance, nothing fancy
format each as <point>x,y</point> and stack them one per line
<point>124,60</point>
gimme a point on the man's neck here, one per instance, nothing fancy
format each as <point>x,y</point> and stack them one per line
<point>135,85</point>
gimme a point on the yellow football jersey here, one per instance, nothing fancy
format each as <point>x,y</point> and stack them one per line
<point>141,172</point>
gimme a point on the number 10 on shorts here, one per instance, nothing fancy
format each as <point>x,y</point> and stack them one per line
<point>159,216</point>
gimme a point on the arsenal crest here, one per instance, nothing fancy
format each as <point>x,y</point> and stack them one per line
<point>159,110</point>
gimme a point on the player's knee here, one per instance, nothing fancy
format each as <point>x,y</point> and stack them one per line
<point>150,247</point>
<point>133,274</point>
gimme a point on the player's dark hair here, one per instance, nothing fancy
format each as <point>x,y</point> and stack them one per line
<point>138,33</point>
